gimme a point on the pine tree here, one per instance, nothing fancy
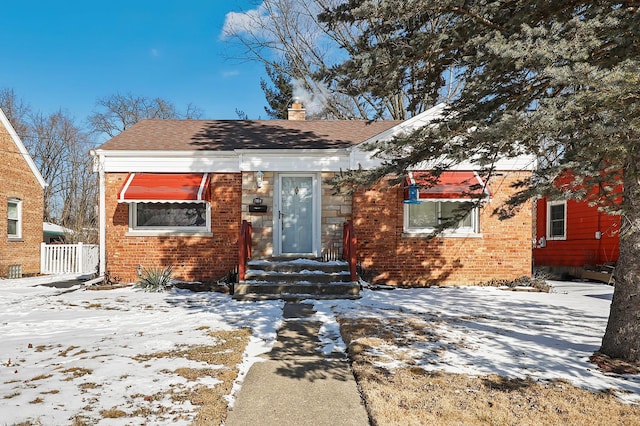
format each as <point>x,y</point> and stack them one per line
<point>397,62</point>
<point>291,29</point>
<point>556,80</point>
<point>280,95</point>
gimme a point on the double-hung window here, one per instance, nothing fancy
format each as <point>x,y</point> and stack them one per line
<point>448,202</point>
<point>14,218</point>
<point>426,216</point>
<point>557,220</point>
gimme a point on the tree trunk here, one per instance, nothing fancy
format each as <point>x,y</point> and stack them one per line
<point>622,337</point>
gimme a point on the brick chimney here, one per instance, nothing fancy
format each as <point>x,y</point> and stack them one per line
<point>297,112</point>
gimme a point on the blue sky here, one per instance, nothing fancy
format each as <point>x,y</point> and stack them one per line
<point>66,54</point>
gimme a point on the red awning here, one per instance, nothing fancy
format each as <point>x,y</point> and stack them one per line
<point>165,187</point>
<point>450,185</point>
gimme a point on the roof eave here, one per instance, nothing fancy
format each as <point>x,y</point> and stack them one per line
<point>212,153</point>
<point>161,153</point>
<point>311,151</point>
<point>409,125</point>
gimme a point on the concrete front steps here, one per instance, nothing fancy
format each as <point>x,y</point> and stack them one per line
<point>296,279</point>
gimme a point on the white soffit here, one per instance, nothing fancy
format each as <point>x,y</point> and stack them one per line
<point>294,160</point>
<point>168,161</point>
<point>523,162</point>
<point>225,162</point>
<point>409,125</point>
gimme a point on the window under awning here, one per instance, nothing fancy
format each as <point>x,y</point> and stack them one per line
<point>450,185</point>
<point>165,187</point>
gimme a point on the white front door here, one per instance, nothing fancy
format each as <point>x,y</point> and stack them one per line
<point>297,216</point>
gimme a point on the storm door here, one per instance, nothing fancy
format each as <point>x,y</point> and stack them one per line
<point>297,215</point>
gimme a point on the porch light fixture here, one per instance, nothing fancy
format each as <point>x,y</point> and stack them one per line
<point>259,179</point>
<point>257,200</point>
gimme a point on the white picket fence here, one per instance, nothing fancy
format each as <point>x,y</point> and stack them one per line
<point>69,258</point>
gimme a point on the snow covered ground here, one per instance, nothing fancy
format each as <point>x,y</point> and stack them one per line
<point>480,331</point>
<point>50,337</point>
<point>484,330</point>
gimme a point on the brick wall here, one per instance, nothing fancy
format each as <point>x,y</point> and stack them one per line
<point>17,181</point>
<point>194,258</point>
<point>503,252</point>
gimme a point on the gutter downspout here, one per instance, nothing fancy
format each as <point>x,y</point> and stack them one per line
<point>98,165</point>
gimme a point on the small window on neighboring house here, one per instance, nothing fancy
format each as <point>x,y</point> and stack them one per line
<point>181,217</point>
<point>14,215</point>
<point>426,215</point>
<point>557,220</point>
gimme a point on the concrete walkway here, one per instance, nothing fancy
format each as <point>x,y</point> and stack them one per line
<point>297,384</point>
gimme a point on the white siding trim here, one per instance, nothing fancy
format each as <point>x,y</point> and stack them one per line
<point>169,161</point>
<point>294,160</point>
<point>125,187</point>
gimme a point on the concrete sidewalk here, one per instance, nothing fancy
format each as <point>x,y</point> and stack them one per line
<point>297,384</point>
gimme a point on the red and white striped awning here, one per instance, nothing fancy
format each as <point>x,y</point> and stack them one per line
<point>165,187</point>
<point>461,185</point>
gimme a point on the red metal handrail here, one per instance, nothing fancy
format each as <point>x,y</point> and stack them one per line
<point>349,248</point>
<point>244,248</point>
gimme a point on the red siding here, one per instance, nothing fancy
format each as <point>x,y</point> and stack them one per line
<point>581,246</point>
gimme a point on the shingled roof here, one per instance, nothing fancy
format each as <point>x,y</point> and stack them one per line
<point>227,135</point>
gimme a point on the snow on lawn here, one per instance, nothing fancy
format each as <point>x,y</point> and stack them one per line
<point>50,339</point>
<point>484,330</point>
<point>47,334</point>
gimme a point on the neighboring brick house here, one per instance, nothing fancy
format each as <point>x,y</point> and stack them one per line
<point>21,206</point>
<point>174,192</point>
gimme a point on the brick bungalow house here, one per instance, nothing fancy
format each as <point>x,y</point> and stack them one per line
<point>174,192</point>
<point>21,206</point>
